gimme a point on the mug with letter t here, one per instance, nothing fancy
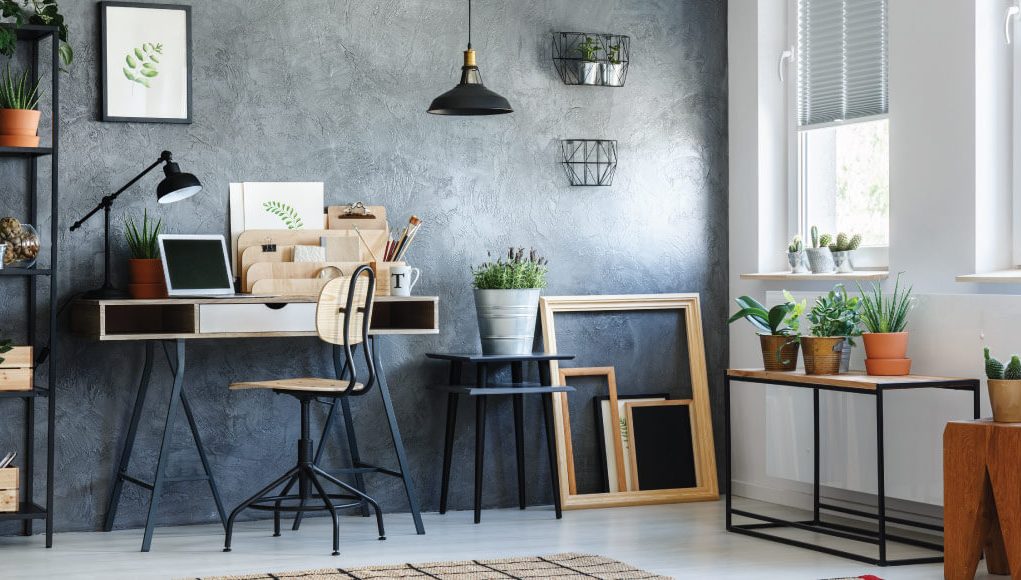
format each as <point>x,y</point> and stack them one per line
<point>402,279</point>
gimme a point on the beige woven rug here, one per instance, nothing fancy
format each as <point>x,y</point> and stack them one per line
<point>557,566</point>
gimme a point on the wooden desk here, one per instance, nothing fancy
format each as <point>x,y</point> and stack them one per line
<point>854,382</point>
<point>982,498</point>
<point>180,320</point>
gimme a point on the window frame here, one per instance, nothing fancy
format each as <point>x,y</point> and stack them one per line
<point>1015,142</point>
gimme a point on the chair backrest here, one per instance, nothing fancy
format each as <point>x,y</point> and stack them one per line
<point>343,315</point>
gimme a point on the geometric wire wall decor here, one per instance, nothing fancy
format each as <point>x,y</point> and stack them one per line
<point>589,161</point>
<point>587,58</point>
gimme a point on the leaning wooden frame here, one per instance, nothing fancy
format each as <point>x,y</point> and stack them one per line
<point>705,455</point>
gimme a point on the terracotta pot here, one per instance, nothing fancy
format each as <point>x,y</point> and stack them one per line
<point>888,367</point>
<point>822,354</point>
<point>147,291</point>
<point>879,345</point>
<point>779,353</point>
<point>18,141</point>
<point>1005,397</point>
<point>147,271</point>
<point>23,122</point>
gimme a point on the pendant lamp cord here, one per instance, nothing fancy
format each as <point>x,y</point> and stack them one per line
<point>469,24</point>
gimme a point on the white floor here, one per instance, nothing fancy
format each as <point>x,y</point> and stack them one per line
<point>682,541</point>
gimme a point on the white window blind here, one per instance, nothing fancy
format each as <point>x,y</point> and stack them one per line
<point>842,62</point>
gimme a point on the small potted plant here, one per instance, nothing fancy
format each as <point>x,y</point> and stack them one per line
<point>19,114</point>
<point>841,250</point>
<point>778,329</point>
<point>835,318</point>
<point>1004,384</point>
<point>613,69</point>
<point>145,266</point>
<point>507,300</point>
<point>884,319</point>
<point>590,71</point>
<point>820,259</point>
<point>796,255</point>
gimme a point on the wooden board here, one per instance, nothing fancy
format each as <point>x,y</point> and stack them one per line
<point>333,299</point>
<point>255,254</point>
<point>859,275</point>
<point>17,357</point>
<point>849,380</point>
<point>292,270</point>
<point>16,379</point>
<point>375,239</point>
<point>336,220</point>
<point>342,249</point>
<point>661,440</point>
<point>310,287</point>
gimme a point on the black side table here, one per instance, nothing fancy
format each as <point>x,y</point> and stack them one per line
<point>482,390</point>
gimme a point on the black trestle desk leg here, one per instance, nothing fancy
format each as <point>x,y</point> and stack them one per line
<point>202,457</point>
<point>164,456</point>
<point>551,445</point>
<point>129,440</point>
<point>395,433</point>
<point>448,436</point>
<point>517,377</point>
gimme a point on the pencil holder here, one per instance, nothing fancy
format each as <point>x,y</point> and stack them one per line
<point>382,271</point>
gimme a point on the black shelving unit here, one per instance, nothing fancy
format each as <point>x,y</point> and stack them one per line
<point>589,161</point>
<point>591,58</point>
<point>32,38</point>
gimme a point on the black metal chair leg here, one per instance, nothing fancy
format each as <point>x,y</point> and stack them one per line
<point>276,512</point>
<point>360,494</point>
<point>480,446</point>
<point>310,473</point>
<point>244,505</point>
<point>448,450</point>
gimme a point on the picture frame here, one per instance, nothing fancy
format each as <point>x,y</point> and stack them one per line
<point>605,433</point>
<point>688,303</point>
<point>145,62</point>
<point>669,459</point>
<point>618,447</point>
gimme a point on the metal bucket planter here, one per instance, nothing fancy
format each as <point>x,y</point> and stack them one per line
<point>822,354</point>
<point>820,260</point>
<point>779,352</point>
<point>613,74</point>
<point>590,73</point>
<point>507,320</point>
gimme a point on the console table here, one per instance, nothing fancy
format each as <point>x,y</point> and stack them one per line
<point>857,383</point>
<point>177,321</point>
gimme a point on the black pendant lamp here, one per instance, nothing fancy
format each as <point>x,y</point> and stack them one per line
<point>470,96</point>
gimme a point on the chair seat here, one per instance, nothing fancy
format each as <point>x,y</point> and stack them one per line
<point>304,384</point>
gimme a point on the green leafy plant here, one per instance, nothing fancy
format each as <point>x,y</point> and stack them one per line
<point>143,239</point>
<point>881,314</point>
<point>286,213</point>
<point>613,53</point>
<point>589,49</point>
<point>796,245</point>
<point>143,63</point>
<point>6,345</point>
<point>16,92</point>
<point>845,243</point>
<point>994,368</point>
<point>781,320</point>
<point>517,272</point>
<point>836,314</point>
<point>44,12</point>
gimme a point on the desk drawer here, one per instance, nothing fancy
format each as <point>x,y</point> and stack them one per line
<point>290,317</point>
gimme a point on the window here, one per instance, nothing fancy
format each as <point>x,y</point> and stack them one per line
<point>840,146</point>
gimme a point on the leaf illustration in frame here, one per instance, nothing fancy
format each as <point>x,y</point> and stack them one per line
<point>286,213</point>
<point>143,63</point>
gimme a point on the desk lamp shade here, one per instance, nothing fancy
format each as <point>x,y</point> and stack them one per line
<point>470,96</point>
<point>176,185</point>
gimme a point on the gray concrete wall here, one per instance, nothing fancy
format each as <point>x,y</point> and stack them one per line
<point>337,91</point>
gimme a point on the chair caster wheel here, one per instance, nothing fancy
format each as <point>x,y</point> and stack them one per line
<point>226,549</point>
<point>336,554</point>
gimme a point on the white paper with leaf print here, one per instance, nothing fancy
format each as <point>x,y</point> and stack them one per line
<point>284,205</point>
<point>146,63</point>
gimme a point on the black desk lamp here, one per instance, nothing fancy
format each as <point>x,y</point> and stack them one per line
<point>174,187</point>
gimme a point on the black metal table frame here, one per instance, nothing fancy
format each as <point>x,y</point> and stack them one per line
<point>177,367</point>
<point>816,524</point>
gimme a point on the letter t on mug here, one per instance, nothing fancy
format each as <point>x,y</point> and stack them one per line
<point>403,279</point>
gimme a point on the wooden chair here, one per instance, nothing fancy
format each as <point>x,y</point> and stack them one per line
<point>342,318</point>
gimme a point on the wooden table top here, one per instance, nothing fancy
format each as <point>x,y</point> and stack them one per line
<point>851,380</point>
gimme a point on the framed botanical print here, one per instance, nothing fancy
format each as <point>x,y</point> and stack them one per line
<point>146,62</point>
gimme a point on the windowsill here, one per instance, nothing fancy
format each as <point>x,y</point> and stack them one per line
<point>997,277</point>
<point>860,275</point>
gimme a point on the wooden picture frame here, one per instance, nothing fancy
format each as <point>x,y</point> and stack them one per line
<point>618,447</point>
<point>707,488</point>
<point>633,439</point>
<point>605,431</point>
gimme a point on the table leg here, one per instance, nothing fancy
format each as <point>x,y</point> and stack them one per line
<point>129,440</point>
<point>481,381</point>
<point>164,454</point>
<point>881,476</point>
<point>448,438</point>
<point>728,500</point>
<point>815,456</point>
<point>202,457</point>
<point>517,377</point>
<point>546,379</point>
<point>977,401</point>
<point>395,433</point>
<point>29,468</point>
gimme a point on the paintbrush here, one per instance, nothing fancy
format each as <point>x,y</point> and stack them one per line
<point>416,223</point>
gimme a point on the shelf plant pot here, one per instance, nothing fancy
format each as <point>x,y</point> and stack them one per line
<point>507,320</point>
<point>147,280</point>
<point>779,352</point>
<point>881,345</point>
<point>19,128</point>
<point>888,367</point>
<point>797,262</point>
<point>820,260</point>
<point>842,262</point>
<point>590,73</point>
<point>1005,398</point>
<point>822,354</point>
<point>613,74</point>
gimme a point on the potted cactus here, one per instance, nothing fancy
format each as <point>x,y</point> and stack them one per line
<point>841,250</point>
<point>835,318</point>
<point>1004,384</point>
<point>590,71</point>
<point>796,255</point>
<point>820,259</point>
<point>778,329</point>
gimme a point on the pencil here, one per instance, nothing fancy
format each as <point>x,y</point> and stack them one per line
<point>367,247</point>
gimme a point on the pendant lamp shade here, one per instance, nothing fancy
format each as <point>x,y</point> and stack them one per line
<point>470,96</point>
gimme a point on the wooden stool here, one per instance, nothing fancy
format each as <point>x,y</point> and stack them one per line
<point>982,498</point>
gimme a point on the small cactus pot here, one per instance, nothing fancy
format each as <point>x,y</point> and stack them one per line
<point>797,262</point>
<point>1005,398</point>
<point>842,262</point>
<point>820,260</point>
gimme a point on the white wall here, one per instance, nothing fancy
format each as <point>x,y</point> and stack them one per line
<point>950,214</point>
